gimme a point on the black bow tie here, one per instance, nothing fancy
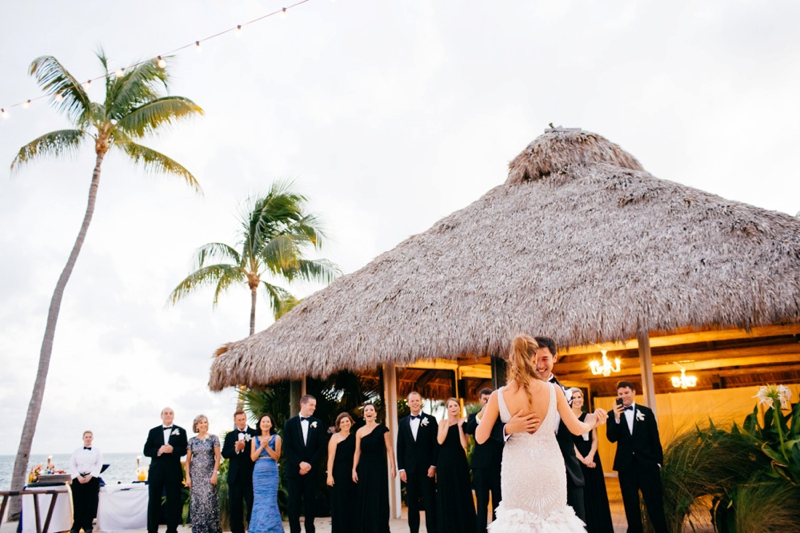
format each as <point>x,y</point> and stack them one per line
<point>167,427</point>
<point>629,408</point>
<point>303,419</point>
<point>415,417</point>
<point>87,447</point>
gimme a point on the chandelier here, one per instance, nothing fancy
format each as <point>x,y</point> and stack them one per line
<point>684,381</point>
<point>605,367</point>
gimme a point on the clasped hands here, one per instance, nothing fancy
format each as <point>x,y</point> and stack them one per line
<point>166,448</point>
<point>238,446</point>
<point>305,468</point>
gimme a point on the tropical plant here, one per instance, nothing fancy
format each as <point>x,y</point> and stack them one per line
<point>779,436</point>
<point>133,108</point>
<point>274,232</point>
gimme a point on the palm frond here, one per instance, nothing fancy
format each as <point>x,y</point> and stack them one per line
<point>153,161</point>
<point>277,297</point>
<point>54,143</point>
<point>54,79</point>
<point>148,117</point>
<point>209,275</point>
<point>218,250</point>
<point>136,87</point>
<point>321,270</point>
<point>279,254</point>
<point>309,230</point>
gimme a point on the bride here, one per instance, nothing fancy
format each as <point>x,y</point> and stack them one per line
<point>534,483</point>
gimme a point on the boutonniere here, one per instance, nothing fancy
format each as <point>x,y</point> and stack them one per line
<point>640,416</point>
<point>314,424</point>
<point>176,432</point>
<point>424,422</point>
<point>247,437</point>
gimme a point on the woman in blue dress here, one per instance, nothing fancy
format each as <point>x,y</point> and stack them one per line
<point>265,450</point>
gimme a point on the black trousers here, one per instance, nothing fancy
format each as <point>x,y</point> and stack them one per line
<point>575,499</point>
<point>84,503</point>
<point>648,480</point>
<point>160,482</point>
<point>301,488</point>
<point>239,493</point>
<point>420,486</point>
<point>486,480</point>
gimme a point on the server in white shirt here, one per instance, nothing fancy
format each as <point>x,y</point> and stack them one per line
<point>84,469</point>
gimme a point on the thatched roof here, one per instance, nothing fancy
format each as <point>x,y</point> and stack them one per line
<point>580,243</point>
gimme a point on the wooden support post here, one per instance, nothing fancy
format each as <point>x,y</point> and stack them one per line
<point>295,393</point>
<point>390,402</point>
<point>646,364</point>
<point>498,372</point>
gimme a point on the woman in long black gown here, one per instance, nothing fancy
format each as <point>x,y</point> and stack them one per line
<point>373,444</point>
<point>455,507</point>
<point>595,497</point>
<point>341,449</point>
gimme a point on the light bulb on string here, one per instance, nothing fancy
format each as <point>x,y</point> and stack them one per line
<point>238,30</point>
<point>26,104</point>
<point>87,85</point>
<point>4,113</point>
<point>283,13</point>
<point>161,62</point>
<point>119,72</point>
<point>58,97</point>
<point>197,47</point>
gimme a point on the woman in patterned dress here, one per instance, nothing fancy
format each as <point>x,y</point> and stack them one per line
<point>265,450</point>
<point>202,468</point>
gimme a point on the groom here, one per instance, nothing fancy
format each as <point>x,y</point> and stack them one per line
<point>546,357</point>
<point>240,470</point>
<point>303,444</point>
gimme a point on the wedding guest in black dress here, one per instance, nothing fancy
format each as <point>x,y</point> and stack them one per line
<point>595,497</point>
<point>487,459</point>
<point>373,444</point>
<point>341,449</point>
<point>202,469</point>
<point>455,506</point>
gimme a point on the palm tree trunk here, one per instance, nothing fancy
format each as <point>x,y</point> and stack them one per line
<point>19,475</point>
<point>253,294</point>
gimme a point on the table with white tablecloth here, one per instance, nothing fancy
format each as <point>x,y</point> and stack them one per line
<point>123,507</point>
<point>61,519</point>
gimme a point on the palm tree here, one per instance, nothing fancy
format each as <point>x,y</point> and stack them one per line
<point>132,109</point>
<point>274,232</point>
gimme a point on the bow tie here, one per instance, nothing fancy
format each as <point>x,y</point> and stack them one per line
<point>415,417</point>
<point>87,447</point>
<point>629,408</point>
<point>167,427</point>
<point>303,419</point>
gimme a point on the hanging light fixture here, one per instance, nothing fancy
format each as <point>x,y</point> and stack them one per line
<point>604,367</point>
<point>684,381</point>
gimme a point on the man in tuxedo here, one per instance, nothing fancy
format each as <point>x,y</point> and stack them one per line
<point>165,445</point>
<point>303,443</point>
<point>638,459</point>
<point>417,453</point>
<point>546,357</point>
<point>486,461</point>
<point>240,470</point>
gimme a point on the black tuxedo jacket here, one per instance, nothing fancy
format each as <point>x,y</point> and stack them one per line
<point>490,453</point>
<point>296,451</point>
<point>240,466</point>
<point>644,443</point>
<point>564,438</point>
<point>167,463</point>
<point>417,455</point>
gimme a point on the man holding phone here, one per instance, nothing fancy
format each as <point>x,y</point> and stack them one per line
<point>638,460</point>
<point>240,470</point>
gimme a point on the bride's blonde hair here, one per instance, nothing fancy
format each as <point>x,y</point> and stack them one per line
<point>523,369</point>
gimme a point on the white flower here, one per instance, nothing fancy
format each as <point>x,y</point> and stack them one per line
<point>424,422</point>
<point>639,416</point>
<point>314,424</point>
<point>247,437</point>
<point>176,432</point>
<point>769,394</point>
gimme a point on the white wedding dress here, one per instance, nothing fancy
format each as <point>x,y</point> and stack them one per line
<point>534,480</point>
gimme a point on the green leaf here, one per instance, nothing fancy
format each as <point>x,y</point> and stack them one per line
<point>153,161</point>
<point>53,144</point>
<point>54,79</point>
<point>153,115</point>
<point>773,454</point>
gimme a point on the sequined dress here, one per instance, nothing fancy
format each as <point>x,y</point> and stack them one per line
<point>534,482</point>
<point>203,506</point>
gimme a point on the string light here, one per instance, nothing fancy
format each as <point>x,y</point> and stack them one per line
<point>26,104</point>
<point>161,62</point>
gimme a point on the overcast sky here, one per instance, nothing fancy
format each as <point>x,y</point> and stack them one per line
<point>389,114</point>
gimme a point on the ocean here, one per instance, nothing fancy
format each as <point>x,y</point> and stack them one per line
<point>121,469</point>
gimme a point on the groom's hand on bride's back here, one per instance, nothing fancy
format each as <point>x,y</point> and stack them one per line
<point>523,423</point>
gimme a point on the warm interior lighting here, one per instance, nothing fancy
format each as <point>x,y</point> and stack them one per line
<point>605,367</point>
<point>684,381</point>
